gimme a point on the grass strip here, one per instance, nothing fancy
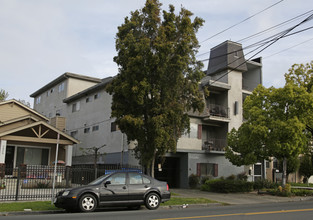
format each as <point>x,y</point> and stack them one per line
<point>20,206</point>
<point>181,201</point>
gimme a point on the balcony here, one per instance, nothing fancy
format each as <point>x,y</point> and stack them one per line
<point>214,144</point>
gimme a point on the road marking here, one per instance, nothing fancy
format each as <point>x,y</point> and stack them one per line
<point>236,214</point>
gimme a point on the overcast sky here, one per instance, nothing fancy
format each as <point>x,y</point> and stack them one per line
<point>42,39</point>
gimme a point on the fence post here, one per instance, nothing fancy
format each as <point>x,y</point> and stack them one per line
<point>17,182</point>
<point>67,176</point>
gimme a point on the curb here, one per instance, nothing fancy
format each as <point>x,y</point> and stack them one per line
<point>184,206</point>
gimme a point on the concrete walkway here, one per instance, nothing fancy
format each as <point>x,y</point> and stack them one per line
<point>235,198</point>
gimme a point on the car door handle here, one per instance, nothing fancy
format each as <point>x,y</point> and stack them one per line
<point>124,187</point>
<point>146,186</point>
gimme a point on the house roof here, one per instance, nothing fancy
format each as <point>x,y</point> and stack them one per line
<point>40,132</point>
<point>15,102</point>
<point>62,78</point>
<point>91,89</point>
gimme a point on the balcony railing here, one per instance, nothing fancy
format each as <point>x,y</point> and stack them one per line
<point>218,110</point>
<point>214,144</point>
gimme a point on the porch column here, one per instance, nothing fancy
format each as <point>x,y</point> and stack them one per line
<point>3,148</point>
<point>68,155</point>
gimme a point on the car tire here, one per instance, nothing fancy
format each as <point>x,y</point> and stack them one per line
<point>87,203</point>
<point>152,201</point>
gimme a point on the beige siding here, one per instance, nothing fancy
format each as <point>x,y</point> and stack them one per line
<point>11,111</point>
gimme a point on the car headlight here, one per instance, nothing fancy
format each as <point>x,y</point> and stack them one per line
<point>65,193</point>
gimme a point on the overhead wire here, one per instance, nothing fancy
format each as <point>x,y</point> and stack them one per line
<point>288,48</point>
<point>280,36</point>
<point>265,31</point>
<point>242,21</point>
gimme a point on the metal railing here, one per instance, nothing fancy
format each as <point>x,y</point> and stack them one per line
<point>218,110</point>
<point>214,144</point>
<point>34,182</point>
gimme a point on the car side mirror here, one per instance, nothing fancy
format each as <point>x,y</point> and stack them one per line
<point>107,183</point>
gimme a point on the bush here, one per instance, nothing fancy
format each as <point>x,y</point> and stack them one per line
<point>264,184</point>
<point>193,181</point>
<point>227,186</point>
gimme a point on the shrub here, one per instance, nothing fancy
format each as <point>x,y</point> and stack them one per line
<point>264,184</point>
<point>205,178</point>
<point>228,186</point>
<point>42,185</point>
<point>193,181</point>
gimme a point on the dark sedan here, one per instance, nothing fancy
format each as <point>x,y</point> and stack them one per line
<point>130,189</point>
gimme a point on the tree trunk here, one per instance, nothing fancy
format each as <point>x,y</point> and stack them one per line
<point>284,180</point>
<point>152,164</point>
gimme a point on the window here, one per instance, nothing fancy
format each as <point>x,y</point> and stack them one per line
<point>135,178</point>
<point>74,134</point>
<point>76,107</point>
<point>96,96</point>
<point>86,130</point>
<point>207,169</point>
<point>61,87</point>
<point>52,90</point>
<point>118,179</point>
<point>95,128</point>
<point>114,127</point>
<point>58,112</point>
<point>193,131</point>
<point>32,156</point>
<point>88,99</point>
<point>38,99</point>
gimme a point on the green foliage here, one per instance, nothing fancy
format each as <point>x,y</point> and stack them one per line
<point>264,184</point>
<point>227,186</point>
<point>276,121</point>
<point>193,181</point>
<point>306,166</point>
<point>158,78</point>
<point>3,95</point>
<point>43,185</point>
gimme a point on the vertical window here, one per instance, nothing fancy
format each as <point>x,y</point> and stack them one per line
<point>88,99</point>
<point>61,87</point>
<point>96,96</point>
<point>114,127</point>
<point>86,130</point>
<point>76,107</point>
<point>38,99</point>
<point>74,134</point>
<point>95,128</point>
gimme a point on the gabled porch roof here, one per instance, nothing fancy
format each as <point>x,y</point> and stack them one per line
<point>38,132</point>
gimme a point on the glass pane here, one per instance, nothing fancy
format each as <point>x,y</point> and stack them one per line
<point>118,179</point>
<point>135,178</point>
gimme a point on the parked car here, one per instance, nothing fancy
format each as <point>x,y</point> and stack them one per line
<point>129,189</point>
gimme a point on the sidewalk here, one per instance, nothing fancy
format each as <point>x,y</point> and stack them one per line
<point>236,198</point>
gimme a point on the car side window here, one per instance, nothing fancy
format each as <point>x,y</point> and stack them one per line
<point>117,179</point>
<point>146,180</point>
<point>135,178</point>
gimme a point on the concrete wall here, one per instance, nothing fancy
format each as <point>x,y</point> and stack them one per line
<point>235,95</point>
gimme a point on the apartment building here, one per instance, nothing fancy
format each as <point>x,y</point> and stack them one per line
<point>87,107</point>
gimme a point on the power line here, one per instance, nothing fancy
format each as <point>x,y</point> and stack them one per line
<point>288,48</point>
<point>259,43</point>
<point>241,21</point>
<point>264,31</point>
<point>275,26</point>
<point>282,35</point>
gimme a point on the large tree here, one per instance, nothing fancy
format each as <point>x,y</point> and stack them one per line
<point>275,126</point>
<point>158,79</point>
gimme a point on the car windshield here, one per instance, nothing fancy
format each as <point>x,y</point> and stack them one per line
<point>98,180</point>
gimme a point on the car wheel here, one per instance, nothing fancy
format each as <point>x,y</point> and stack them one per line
<point>87,203</point>
<point>152,201</point>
